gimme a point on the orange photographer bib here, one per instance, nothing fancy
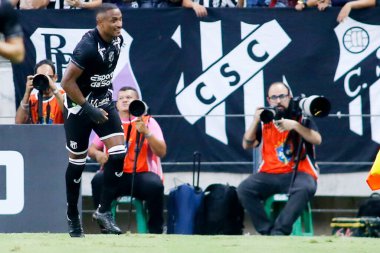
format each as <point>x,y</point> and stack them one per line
<point>55,115</point>
<point>278,156</point>
<point>144,154</point>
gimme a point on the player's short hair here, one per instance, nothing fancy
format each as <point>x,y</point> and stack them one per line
<point>105,7</point>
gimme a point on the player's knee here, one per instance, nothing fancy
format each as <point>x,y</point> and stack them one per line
<point>117,153</point>
<point>75,168</point>
<point>116,156</point>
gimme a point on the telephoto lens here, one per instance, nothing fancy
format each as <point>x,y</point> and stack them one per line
<point>40,82</point>
<point>138,108</point>
<point>315,106</point>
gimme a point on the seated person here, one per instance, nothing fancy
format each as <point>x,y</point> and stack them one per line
<point>148,183</point>
<point>280,139</point>
<point>52,98</point>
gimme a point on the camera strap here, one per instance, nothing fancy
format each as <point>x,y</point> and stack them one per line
<point>30,112</point>
<point>39,107</point>
<point>128,134</point>
<point>143,137</point>
<point>139,142</point>
<point>140,139</point>
<point>47,113</point>
<point>295,139</point>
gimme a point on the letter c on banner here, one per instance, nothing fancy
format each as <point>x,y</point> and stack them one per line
<point>252,55</point>
<point>347,79</point>
<point>201,98</point>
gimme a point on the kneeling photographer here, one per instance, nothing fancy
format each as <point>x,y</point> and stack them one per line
<point>44,106</point>
<point>282,128</point>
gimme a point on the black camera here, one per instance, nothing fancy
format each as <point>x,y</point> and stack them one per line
<point>40,82</point>
<point>313,106</point>
<point>268,114</point>
<point>138,108</point>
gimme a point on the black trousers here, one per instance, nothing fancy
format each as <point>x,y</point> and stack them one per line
<point>254,190</point>
<point>78,128</point>
<point>147,186</point>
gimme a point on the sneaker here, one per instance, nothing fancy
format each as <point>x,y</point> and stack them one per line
<point>102,229</point>
<point>106,221</point>
<point>75,227</point>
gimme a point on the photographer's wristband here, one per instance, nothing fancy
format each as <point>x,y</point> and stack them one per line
<point>24,106</point>
<point>248,141</point>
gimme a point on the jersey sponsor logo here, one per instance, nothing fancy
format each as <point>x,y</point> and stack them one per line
<point>357,43</point>
<point>13,162</point>
<point>77,181</point>
<point>98,81</point>
<point>223,73</point>
<point>99,102</point>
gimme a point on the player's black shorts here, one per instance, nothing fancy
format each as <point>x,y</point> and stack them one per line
<point>78,129</point>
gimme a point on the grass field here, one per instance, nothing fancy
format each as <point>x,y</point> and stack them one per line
<point>131,243</point>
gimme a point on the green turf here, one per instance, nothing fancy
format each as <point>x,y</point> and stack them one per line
<point>131,243</point>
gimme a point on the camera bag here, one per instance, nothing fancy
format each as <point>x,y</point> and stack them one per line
<point>220,212</point>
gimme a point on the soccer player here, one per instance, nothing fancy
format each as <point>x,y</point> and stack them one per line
<point>88,105</point>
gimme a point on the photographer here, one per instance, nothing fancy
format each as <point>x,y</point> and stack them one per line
<point>280,138</point>
<point>52,98</point>
<point>148,183</point>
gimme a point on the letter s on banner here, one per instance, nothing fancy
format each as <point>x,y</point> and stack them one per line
<point>14,166</point>
<point>243,62</point>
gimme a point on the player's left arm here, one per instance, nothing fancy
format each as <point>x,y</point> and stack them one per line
<point>69,83</point>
